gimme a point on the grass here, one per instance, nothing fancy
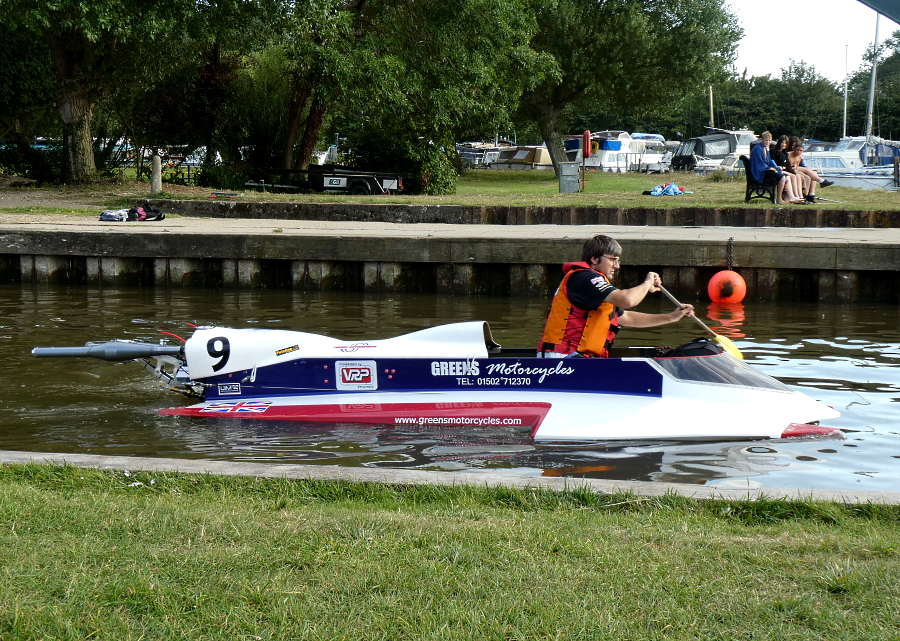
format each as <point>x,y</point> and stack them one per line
<point>507,188</point>
<point>105,555</point>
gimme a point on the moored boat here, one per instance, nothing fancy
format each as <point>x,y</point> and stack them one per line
<point>457,375</point>
<point>523,157</point>
<point>863,162</point>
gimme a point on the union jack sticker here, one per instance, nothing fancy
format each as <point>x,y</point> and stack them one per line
<point>233,406</point>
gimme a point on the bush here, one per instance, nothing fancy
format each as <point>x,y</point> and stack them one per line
<point>41,165</point>
<point>719,176</point>
<point>221,177</point>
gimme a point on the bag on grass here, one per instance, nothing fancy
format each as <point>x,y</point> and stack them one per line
<point>114,215</point>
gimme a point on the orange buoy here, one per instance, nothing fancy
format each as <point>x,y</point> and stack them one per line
<point>727,287</point>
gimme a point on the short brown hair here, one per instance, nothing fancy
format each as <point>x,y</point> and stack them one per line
<point>598,245</point>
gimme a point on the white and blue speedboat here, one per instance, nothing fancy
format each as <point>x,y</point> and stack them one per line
<point>456,375</point>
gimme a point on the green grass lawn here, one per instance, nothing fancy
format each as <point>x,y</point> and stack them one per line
<point>90,554</point>
<point>486,187</point>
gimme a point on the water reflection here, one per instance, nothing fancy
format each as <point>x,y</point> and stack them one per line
<point>846,356</point>
<point>730,317</point>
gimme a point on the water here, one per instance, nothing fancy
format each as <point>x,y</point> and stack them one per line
<point>845,356</point>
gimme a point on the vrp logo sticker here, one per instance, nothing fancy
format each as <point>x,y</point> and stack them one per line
<point>356,375</point>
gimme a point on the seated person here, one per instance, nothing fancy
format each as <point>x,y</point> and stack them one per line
<point>795,156</point>
<point>766,172</point>
<point>800,182</point>
<point>587,309</point>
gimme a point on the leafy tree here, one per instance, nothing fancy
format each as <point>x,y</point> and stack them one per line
<point>26,93</point>
<point>886,118</point>
<point>626,55</point>
<point>809,104</point>
<point>85,39</point>
<point>426,72</point>
<point>102,45</point>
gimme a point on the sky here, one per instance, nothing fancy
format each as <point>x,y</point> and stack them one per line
<point>830,35</point>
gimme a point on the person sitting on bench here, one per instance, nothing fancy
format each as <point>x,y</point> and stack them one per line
<point>795,157</point>
<point>800,182</point>
<point>766,172</point>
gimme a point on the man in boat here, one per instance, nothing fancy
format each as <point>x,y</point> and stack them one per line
<point>587,310</point>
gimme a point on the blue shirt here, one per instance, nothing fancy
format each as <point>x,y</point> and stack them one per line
<point>759,162</point>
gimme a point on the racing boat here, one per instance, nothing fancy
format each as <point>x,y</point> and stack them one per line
<point>456,375</point>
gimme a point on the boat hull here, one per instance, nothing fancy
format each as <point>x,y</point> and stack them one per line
<point>581,399</point>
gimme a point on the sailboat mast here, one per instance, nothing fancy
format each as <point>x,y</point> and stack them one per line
<point>872,83</point>
<point>846,74</point>
<point>712,120</point>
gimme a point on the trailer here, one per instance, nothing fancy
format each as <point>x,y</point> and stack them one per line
<point>356,183</point>
<point>335,179</point>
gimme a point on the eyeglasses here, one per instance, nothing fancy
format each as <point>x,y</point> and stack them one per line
<point>613,259</point>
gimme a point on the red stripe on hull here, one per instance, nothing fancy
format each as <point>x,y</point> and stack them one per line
<point>805,429</point>
<point>519,415</point>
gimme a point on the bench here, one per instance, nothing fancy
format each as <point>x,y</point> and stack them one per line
<point>755,189</point>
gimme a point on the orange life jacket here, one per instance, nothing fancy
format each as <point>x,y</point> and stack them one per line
<point>571,329</point>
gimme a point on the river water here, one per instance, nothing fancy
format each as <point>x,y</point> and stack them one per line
<point>847,356</point>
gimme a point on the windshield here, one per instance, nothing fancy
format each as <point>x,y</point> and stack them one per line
<point>716,148</point>
<point>686,148</point>
<point>825,162</point>
<point>849,145</point>
<point>720,369</point>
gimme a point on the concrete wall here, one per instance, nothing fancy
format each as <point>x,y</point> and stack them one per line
<point>787,269</point>
<point>474,215</point>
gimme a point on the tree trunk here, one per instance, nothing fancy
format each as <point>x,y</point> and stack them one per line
<point>75,111</point>
<point>68,53</point>
<point>547,116</point>
<point>300,96</point>
<point>311,132</point>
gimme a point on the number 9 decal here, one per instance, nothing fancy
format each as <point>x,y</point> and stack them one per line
<point>221,352</point>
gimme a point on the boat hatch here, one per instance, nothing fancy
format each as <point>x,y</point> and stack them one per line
<point>718,369</point>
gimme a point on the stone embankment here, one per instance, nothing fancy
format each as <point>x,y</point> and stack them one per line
<point>460,250</point>
<point>806,216</point>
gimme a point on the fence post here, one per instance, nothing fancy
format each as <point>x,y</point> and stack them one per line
<point>155,175</point>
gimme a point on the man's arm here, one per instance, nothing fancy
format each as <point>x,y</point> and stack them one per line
<point>628,298</point>
<point>638,319</point>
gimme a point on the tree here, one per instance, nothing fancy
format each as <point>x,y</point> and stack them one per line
<point>626,55</point>
<point>97,45</point>
<point>421,73</point>
<point>886,118</point>
<point>26,94</point>
<point>84,39</point>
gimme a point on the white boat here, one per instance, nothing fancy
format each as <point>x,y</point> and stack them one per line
<point>523,157</point>
<point>619,152</point>
<point>732,165</point>
<point>481,154</point>
<point>718,144</point>
<point>884,177</point>
<point>863,162</point>
<point>457,375</point>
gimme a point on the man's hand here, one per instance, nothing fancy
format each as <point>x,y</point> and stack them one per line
<point>653,281</point>
<point>681,312</point>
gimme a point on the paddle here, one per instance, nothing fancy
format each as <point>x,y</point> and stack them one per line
<point>724,341</point>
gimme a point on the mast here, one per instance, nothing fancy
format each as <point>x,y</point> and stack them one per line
<point>712,120</point>
<point>846,74</point>
<point>872,83</point>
